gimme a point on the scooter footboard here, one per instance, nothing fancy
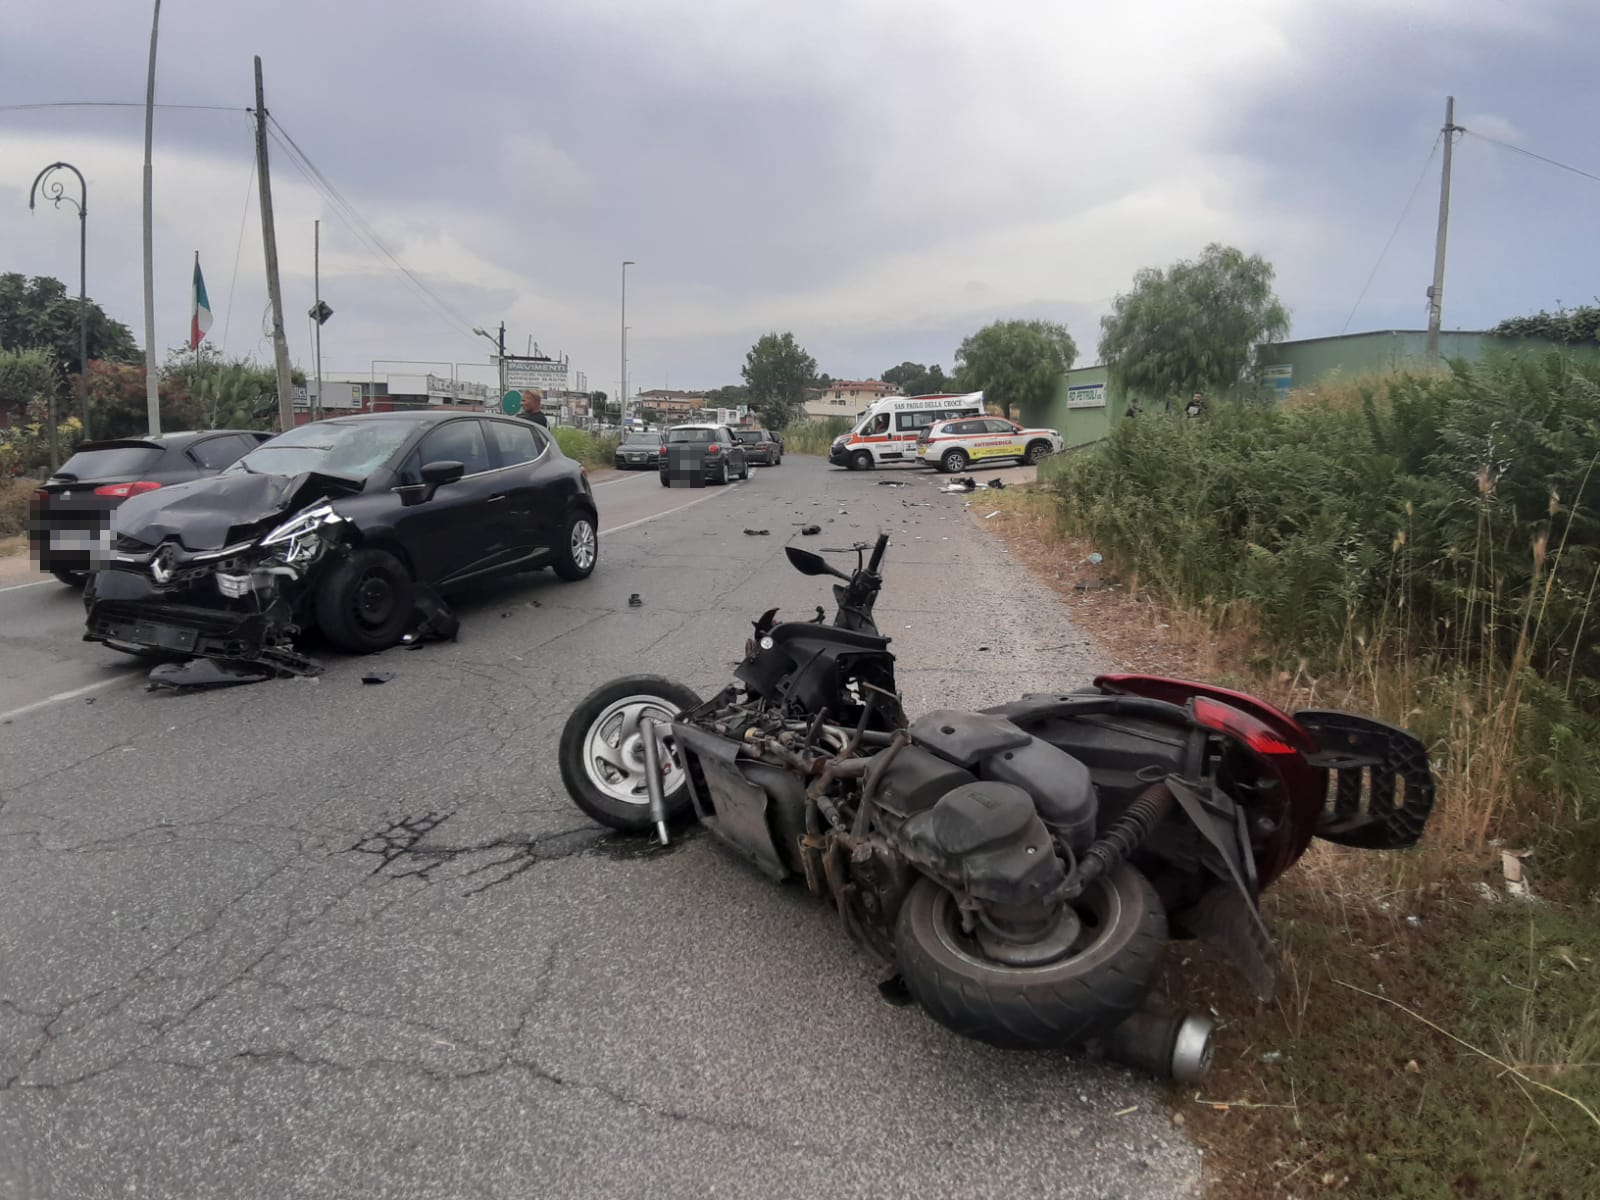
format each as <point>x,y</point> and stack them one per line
<point>1378,786</point>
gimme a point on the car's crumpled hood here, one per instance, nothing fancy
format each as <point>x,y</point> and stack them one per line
<point>222,510</point>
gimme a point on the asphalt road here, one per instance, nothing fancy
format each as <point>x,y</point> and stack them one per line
<point>315,938</point>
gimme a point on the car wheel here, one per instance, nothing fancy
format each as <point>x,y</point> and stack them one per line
<point>722,475</point>
<point>665,482</point>
<point>579,548</point>
<point>73,579</point>
<point>861,460</point>
<point>745,473</point>
<point>953,462</point>
<point>365,603</point>
<point>1037,452</point>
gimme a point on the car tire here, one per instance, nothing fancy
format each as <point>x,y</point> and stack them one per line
<point>665,481</point>
<point>722,473</point>
<point>365,603</point>
<point>579,548</point>
<point>1056,1004</point>
<point>745,472</point>
<point>1036,453</point>
<point>953,462</point>
<point>607,787</point>
<point>861,460</point>
<point>73,579</point>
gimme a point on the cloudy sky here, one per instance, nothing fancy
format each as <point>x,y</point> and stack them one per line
<point>881,177</point>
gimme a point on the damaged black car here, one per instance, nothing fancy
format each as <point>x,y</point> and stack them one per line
<point>354,526</point>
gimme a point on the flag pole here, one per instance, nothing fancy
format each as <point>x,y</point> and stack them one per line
<point>195,302</point>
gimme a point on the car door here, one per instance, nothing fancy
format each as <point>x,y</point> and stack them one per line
<point>452,536</point>
<point>526,522</point>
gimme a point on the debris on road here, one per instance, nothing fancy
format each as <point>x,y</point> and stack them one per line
<point>634,601</point>
<point>811,531</point>
<point>997,483</point>
<point>1096,558</point>
<point>990,516</point>
<point>891,483</point>
<point>377,677</point>
<point>755,533</point>
<point>965,484</point>
<point>197,673</point>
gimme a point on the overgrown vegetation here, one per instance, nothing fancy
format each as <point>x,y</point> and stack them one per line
<point>1574,326</point>
<point>592,450</point>
<point>814,437</point>
<point>1430,548</point>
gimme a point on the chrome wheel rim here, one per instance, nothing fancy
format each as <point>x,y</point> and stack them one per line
<point>583,544</point>
<point>613,750</point>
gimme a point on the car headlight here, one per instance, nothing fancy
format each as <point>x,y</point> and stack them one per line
<point>301,534</point>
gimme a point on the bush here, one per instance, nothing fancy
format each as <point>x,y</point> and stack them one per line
<point>814,437</point>
<point>587,448</point>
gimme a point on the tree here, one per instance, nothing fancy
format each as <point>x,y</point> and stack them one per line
<point>1574,326</point>
<point>1193,327</point>
<point>1015,362</point>
<point>27,377</point>
<point>38,313</point>
<point>914,379</point>
<point>777,371</point>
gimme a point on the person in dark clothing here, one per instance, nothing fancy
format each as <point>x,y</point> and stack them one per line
<point>532,405</point>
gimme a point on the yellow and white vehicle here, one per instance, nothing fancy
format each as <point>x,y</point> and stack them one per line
<point>888,431</point>
<point>954,446</point>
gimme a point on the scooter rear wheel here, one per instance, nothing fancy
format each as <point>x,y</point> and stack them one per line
<point>1107,973</point>
<point>602,751</point>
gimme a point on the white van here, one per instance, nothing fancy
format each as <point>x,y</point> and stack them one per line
<point>887,432</point>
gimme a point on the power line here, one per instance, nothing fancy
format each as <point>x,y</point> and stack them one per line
<point>1382,254</point>
<point>1529,154</point>
<point>117,104</point>
<point>372,236</point>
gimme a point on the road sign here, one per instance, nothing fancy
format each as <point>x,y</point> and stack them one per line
<point>320,312</point>
<point>546,374</point>
<point>511,402</point>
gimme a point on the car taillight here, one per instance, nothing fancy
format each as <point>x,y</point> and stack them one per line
<point>712,448</point>
<point>125,490</point>
<point>1252,732</point>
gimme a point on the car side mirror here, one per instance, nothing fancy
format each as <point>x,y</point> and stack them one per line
<point>434,476</point>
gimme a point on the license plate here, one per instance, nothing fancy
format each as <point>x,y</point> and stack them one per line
<point>635,458</point>
<point>152,633</point>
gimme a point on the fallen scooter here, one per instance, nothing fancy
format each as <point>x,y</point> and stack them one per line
<point>1018,870</point>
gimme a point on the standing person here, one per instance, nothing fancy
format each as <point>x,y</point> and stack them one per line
<point>532,408</point>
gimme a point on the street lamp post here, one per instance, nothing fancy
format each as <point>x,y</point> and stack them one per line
<point>500,347</point>
<point>622,400</point>
<point>55,191</point>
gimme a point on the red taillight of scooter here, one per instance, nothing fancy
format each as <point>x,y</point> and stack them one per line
<point>1252,732</point>
<point>125,490</point>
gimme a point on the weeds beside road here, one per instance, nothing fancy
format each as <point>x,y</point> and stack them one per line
<point>1425,550</point>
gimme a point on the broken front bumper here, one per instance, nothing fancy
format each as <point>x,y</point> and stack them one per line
<point>125,609</point>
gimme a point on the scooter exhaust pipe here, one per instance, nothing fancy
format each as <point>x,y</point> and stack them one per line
<point>1168,1047</point>
<point>652,779</point>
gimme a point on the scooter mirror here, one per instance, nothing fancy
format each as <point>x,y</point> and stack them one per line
<point>808,563</point>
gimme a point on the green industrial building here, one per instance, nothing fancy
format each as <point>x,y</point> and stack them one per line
<point>1085,405</point>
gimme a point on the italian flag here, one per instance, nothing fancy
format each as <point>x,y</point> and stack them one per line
<point>200,308</point>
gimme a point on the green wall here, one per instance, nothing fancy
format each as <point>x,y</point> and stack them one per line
<point>1314,361</point>
<point>1073,411</point>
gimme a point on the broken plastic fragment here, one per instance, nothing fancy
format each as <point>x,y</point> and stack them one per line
<point>377,677</point>
<point>634,601</point>
<point>207,673</point>
<point>997,483</point>
<point>811,531</point>
<point>755,533</point>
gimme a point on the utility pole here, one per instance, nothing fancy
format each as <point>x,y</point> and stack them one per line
<point>622,400</point>
<point>502,360</point>
<point>152,379</point>
<point>269,238</point>
<point>316,284</point>
<point>1436,292</point>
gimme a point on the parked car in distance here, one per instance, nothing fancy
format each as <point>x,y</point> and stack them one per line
<point>343,524</point>
<point>695,455</point>
<point>953,446</point>
<point>71,510</point>
<point>762,446</point>
<point>639,450</point>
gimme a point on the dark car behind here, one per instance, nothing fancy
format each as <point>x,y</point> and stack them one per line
<point>71,511</point>
<point>762,446</point>
<point>639,451</point>
<point>702,453</point>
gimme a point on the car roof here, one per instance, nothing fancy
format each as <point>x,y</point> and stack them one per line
<point>175,440</point>
<point>699,425</point>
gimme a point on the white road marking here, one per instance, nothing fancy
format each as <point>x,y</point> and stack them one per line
<point>17,587</point>
<point>61,696</point>
<point>657,516</point>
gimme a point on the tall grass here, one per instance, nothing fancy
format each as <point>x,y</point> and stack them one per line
<point>592,450</point>
<point>814,437</point>
<point>1427,546</point>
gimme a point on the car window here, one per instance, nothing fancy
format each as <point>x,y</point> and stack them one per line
<point>457,441</point>
<point>913,422</point>
<point>113,462</point>
<point>751,437</point>
<point>691,435</point>
<point>215,453</point>
<point>511,444</point>
<point>966,428</point>
<point>995,425</point>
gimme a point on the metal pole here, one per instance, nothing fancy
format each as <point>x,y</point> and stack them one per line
<point>57,193</point>
<point>152,380</point>
<point>622,400</point>
<point>316,283</point>
<point>1436,292</point>
<point>269,238</point>
<point>502,362</point>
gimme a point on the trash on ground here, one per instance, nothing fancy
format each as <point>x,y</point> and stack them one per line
<point>634,601</point>
<point>891,483</point>
<point>811,531</point>
<point>981,649</point>
<point>965,484</point>
<point>377,677</point>
<point>997,483</point>
<point>989,516</point>
<point>755,533</point>
<point>197,673</point>
<point>1511,869</point>
<point>1096,558</point>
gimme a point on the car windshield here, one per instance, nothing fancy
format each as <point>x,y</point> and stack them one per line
<point>111,462</point>
<point>692,435</point>
<point>642,439</point>
<point>352,449</point>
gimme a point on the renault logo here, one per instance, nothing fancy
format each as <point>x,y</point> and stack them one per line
<point>162,566</point>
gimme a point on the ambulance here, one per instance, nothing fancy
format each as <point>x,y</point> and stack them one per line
<point>888,431</point>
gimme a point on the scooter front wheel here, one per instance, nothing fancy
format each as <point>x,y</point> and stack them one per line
<point>1115,937</point>
<point>602,751</point>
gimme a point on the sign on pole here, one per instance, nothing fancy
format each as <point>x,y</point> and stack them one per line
<point>511,403</point>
